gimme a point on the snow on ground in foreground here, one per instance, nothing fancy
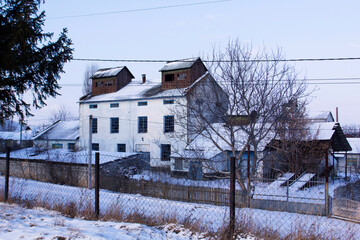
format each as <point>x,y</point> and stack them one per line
<point>21,223</point>
<point>213,217</point>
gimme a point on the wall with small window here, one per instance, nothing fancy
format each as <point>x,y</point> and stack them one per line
<point>133,126</point>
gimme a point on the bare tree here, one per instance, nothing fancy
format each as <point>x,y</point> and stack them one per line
<point>87,82</point>
<point>260,87</point>
<point>351,130</point>
<point>62,114</point>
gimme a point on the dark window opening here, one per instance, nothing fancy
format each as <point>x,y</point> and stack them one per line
<point>169,77</point>
<point>114,105</point>
<point>94,125</point>
<point>121,147</point>
<point>142,103</point>
<point>165,152</point>
<point>71,146</point>
<point>168,124</point>
<point>114,125</point>
<point>95,147</point>
<point>170,101</point>
<point>92,106</point>
<point>142,124</point>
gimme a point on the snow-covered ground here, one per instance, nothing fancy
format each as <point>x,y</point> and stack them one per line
<point>209,217</point>
<point>20,223</point>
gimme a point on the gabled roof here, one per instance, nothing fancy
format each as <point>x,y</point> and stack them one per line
<point>328,132</point>
<point>136,90</point>
<point>60,130</point>
<point>179,64</point>
<point>109,72</point>
<point>25,135</point>
<point>321,116</point>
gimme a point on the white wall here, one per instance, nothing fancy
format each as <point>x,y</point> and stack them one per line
<point>49,143</point>
<point>128,113</point>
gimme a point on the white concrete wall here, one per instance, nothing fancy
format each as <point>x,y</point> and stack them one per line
<point>48,143</point>
<point>128,113</point>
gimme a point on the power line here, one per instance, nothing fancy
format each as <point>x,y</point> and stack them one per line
<point>139,9</point>
<point>219,60</point>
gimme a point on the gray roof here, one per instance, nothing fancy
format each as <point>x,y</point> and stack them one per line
<point>108,72</point>
<point>179,64</point>
<point>61,130</point>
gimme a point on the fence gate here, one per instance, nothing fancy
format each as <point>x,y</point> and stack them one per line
<point>346,208</point>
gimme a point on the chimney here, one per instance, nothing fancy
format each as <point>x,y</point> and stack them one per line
<point>143,78</point>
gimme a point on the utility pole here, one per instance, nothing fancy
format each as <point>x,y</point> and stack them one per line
<point>90,151</point>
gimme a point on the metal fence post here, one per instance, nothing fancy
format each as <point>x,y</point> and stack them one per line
<point>248,178</point>
<point>97,184</point>
<point>232,196</point>
<point>90,152</point>
<point>327,183</point>
<point>7,174</point>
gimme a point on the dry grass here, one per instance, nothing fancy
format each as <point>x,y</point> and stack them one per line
<point>244,225</point>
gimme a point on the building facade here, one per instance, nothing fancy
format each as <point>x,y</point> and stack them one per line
<point>143,115</point>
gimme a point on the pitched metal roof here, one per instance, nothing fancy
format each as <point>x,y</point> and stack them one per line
<point>179,64</point>
<point>61,130</point>
<point>109,72</point>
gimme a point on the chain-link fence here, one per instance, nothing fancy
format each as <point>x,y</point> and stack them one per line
<point>287,206</point>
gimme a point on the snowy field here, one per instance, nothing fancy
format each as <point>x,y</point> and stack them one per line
<point>21,223</point>
<point>210,217</point>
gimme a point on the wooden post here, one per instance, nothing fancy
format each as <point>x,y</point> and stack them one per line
<point>97,184</point>
<point>90,152</point>
<point>327,183</point>
<point>232,197</point>
<point>7,174</point>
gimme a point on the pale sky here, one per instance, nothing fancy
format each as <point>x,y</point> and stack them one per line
<point>302,29</point>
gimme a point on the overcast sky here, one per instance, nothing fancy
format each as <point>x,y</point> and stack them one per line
<point>143,29</point>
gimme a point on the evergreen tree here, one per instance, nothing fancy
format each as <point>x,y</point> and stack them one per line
<point>29,60</point>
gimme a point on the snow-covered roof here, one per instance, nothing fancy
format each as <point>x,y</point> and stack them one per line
<point>179,64</point>
<point>26,135</point>
<point>204,143</point>
<point>320,116</point>
<point>137,90</point>
<point>62,130</point>
<point>107,72</point>
<point>355,145</point>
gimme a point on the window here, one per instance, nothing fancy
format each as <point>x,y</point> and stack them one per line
<point>169,101</point>
<point>57,146</point>
<point>165,152</point>
<point>108,83</point>
<point>92,106</point>
<point>169,77</point>
<point>114,105</point>
<point>95,147</point>
<point>142,103</point>
<point>71,146</point>
<point>114,125</point>
<point>98,84</point>
<point>168,124</point>
<point>94,125</point>
<point>121,147</point>
<point>142,124</point>
<point>181,76</point>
